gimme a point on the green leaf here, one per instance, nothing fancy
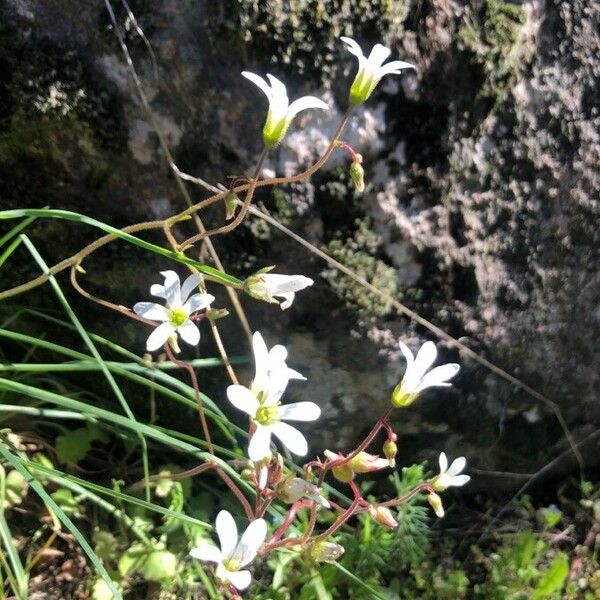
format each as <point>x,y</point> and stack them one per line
<point>73,446</point>
<point>553,579</point>
<point>66,500</point>
<point>106,544</point>
<point>101,591</point>
<point>160,565</point>
<point>211,272</point>
<point>525,549</point>
<point>16,488</point>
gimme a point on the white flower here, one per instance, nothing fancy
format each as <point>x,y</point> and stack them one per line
<point>371,70</point>
<point>450,476</point>
<point>418,377</point>
<point>270,286</point>
<point>269,419</point>
<point>233,554</point>
<point>262,402</point>
<point>281,112</point>
<point>175,316</point>
<point>271,373</point>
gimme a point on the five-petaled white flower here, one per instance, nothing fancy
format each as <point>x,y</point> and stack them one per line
<point>281,112</point>
<point>450,476</point>
<point>233,554</point>
<point>371,70</point>
<point>262,402</point>
<point>418,377</point>
<point>270,286</point>
<point>175,316</point>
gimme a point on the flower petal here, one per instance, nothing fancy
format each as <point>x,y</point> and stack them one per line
<point>207,552</point>
<point>243,399</point>
<point>288,300</point>
<point>251,541</point>
<point>172,289</point>
<point>227,532</point>
<point>457,466</point>
<point>158,290</point>
<point>425,358</point>
<point>438,376</point>
<point>151,310</point>
<point>377,57</point>
<point>159,336</point>
<point>460,480</point>
<point>189,333</point>
<point>300,411</point>
<point>277,283</point>
<point>261,362</point>
<point>291,438</point>
<point>198,302</point>
<point>394,68</point>
<point>355,49</point>
<point>292,374</point>
<point>260,443</point>
<point>443,460</point>
<point>260,82</point>
<point>279,101</point>
<point>304,103</point>
<point>189,285</point>
<point>240,580</point>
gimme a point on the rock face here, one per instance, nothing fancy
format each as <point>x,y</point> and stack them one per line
<point>480,213</point>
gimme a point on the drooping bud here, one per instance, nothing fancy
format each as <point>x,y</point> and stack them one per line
<point>216,313</point>
<point>364,462</point>
<point>327,552</point>
<point>357,173</point>
<point>436,503</point>
<point>390,449</point>
<point>294,488</point>
<point>172,341</point>
<point>344,472</point>
<point>383,516</point>
<point>231,200</point>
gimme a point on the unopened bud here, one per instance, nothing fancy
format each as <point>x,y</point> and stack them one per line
<point>390,449</point>
<point>230,201</point>
<point>343,472</point>
<point>216,313</point>
<point>401,398</point>
<point>383,516</point>
<point>436,503</point>
<point>172,341</point>
<point>357,174</point>
<point>364,462</point>
<point>247,474</point>
<point>327,552</point>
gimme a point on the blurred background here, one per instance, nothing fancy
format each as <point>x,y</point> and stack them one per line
<point>480,212</point>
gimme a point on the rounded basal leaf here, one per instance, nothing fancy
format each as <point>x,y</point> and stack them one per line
<point>160,566</point>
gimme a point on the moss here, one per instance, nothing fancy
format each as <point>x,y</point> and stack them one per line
<point>359,253</point>
<point>491,36</point>
<point>305,35</point>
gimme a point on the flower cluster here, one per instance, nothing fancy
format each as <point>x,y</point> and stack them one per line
<point>187,304</point>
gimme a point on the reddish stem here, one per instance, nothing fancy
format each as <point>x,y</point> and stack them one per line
<point>194,379</point>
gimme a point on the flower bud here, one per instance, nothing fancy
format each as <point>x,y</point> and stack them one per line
<point>401,398</point>
<point>390,449</point>
<point>216,313</point>
<point>327,552</point>
<point>230,201</point>
<point>383,516</point>
<point>436,503</point>
<point>344,472</point>
<point>364,462</point>
<point>357,174</point>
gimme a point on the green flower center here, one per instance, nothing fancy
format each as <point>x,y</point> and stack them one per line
<point>267,415</point>
<point>177,316</point>
<point>232,563</point>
